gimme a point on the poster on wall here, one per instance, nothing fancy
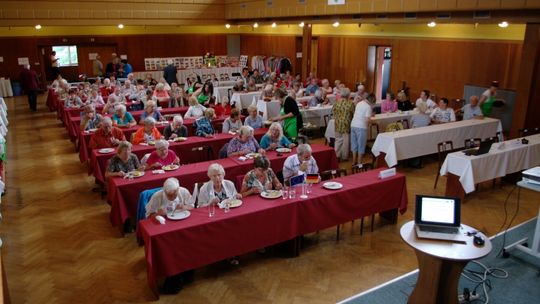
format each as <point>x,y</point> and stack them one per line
<point>123,57</point>
<point>23,61</point>
<point>92,56</point>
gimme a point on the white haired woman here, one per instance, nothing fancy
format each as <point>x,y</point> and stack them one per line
<point>123,162</point>
<point>195,110</point>
<point>253,120</point>
<point>171,197</point>
<point>162,156</point>
<point>89,118</point>
<point>176,128</point>
<point>148,133</point>
<point>244,143</point>
<point>161,94</point>
<point>122,118</point>
<point>274,138</point>
<point>150,110</point>
<point>217,188</point>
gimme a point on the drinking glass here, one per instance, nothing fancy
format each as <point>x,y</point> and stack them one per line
<point>211,210</point>
<point>226,206</point>
<point>308,187</point>
<point>284,193</point>
<point>292,193</point>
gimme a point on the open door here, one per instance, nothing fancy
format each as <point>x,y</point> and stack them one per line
<point>379,67</point>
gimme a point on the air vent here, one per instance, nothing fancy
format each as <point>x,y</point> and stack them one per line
<point>444,15</point>
<point>382,16</point>
<point>410,15</point>
<point>482,15</point>
<point>357,17</point>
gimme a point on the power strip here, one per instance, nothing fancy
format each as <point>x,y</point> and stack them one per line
<point>472,297</point>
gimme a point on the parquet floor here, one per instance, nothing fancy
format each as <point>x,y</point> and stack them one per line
<point>59,246</point>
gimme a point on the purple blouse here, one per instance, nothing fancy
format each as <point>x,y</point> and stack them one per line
<point>236,145</point>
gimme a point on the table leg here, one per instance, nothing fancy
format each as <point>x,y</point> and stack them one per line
<point>437,280</point>
<point>454,187</point>
<point>381,162</point>
<point>390,215</point>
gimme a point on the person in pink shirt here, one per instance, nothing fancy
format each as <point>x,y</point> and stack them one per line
<point>390,104</point>
<point>162,156</point>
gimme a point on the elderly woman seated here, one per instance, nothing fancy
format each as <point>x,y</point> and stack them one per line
<point>175,129</point>
<point>161,94</point>
<point>89,118</point>
<point>217,188</point>
<point>325,86</point>
<point>122,117</point>
<point>195,110</point>
<point>268,92</point>
<point>162,156</point>
<point>106,136</point>
<point>274,138</point>
<point>251,86</point>
<point>260,178</point>
<point>171,197</point>
<point>203,125</point>
<point>73,100</point>
<point>150,110</point>
<point>244,143</point>
<point>253,120</point>
<point>123,162</point>
<point>317,99</point>
<point>148,133</point>
<point>116,96</point>
<point>232,123</point>
<point>300,163</point>
<point>95,98</point>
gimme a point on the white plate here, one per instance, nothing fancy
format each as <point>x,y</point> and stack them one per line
<point>91,130</point>
<point>170,167</point>
<point>271,194</point>
<point>234,203</point>
<point>252,155</point>
<point>332,185</point>
<point>180,139</point>
<point>136,173</point>
<point>179,215</point>
<point>283,150</point>
<point>106,150</point>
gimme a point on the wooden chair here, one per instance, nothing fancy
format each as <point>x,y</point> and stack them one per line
<point>330,174</point>
<point>443,148</point>
<point>472,143</point>
<point>197,155</point>
<point>524,132</point>
<point>536,130</point>
<point>360,168</point>
<point>404,123</point>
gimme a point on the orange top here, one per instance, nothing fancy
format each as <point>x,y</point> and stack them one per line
<point>138,137</point>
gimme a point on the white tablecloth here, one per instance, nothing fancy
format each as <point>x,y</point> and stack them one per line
<point>411,143</point>
<point>512,157</point>
<point>223,74</point>
<point>331,98</point>
<point>5,87</point>
<point>244,100</point>
<point>268,109</point>
<point>315,115</point>
<point>220,92</point>
<point>3,117</point>
<point>383,120</point>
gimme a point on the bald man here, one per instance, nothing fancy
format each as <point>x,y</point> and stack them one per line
<point>472,110</point>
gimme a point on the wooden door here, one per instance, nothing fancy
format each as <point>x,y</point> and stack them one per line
<point>85,64</point>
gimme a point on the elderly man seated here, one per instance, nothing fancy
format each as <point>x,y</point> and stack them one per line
<point>106,136</point>
<point>89,118</point>
<point>147,134</point>
<point>217,188</point>
<point>443,113</point>
<point>300,163</point>
<point>472,110</point>
<point>244,143</point>
<point>176,128</point>
<point>171,197</point>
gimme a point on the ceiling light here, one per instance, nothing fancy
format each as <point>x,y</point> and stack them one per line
<point>335,24</point>
<point>432,24</point>
<point>503,24</point>
<point>301,24</point>
<point>255,25</point>
<point>38,26</point>
<point>227,25</point>
<point>120,26</point>
<point>274,24</point>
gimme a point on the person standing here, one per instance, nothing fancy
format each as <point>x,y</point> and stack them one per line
<point>289,114</point>
<point>54,65</point>
<point>113,66</point>
<point>488,98</point>
<point>169,72</point>
<point>343,111</point>
<point>359,128</point>
<point>30,85</point>
<point>97,66</point>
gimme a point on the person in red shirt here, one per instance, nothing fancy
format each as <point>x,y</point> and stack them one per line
<point>30,84</point>
<point>107,136</point>
<point>162,156</point>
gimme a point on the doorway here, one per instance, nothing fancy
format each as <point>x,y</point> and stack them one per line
<point>379,67</point>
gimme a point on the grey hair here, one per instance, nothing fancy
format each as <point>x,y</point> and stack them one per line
<point>178,119</point>
<point>106,121</point>
<point>215,167</point>
<point>171,184</point>
<point>345,92</point>
<point>303,148</point>
<point>160,86</point>
<point>252,108</point>
<point>120,107</point>
<point>245,130</point>
<point>162,144</point>
<point>275,125</point>
<point>89,107</point>
<point>123,145</point>
<point>422,107</point>
<point>361,87</point>
<point>149,121</point>
<point>150,103</point>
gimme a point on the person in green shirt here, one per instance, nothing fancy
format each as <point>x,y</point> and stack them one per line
<point>205,95</point>
<point>289,114</point>
<point>488,98</point>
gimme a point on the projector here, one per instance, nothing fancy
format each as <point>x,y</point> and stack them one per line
<point>532,175</point>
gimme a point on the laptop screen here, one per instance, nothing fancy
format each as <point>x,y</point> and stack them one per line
<point>436,210</point>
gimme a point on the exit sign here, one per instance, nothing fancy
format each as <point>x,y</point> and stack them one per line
<point>336,2</point>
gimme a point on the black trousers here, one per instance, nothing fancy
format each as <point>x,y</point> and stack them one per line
<point>55,72</point>
<point>32,100</point>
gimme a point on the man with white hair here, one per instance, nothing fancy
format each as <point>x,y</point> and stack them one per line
<point>300,163</point>
<point>176,128</point>
<point>106,136</point>
<point>30,85</point>
<point>172,197</point>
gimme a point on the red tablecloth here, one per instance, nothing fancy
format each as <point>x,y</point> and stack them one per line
<point>199,240</point>
<point>52,100</point>
<point>123,194</point>
<point>98,161</point>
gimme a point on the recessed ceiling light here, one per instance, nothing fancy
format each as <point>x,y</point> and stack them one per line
<point>274,24</point>
<point>503,24</point>
<point>227,25</point>
<point>301,24</point>
<point>432,24</point>
<point>120,26</point>
<point>38,26</point>
<point>335,24</point>
<point>255,25</point>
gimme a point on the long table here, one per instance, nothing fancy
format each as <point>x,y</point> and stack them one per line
<point>422,141</point>
<point>123,194</point>
<point>464,172</point>
<point>98,161</point>
<point>199,240</point>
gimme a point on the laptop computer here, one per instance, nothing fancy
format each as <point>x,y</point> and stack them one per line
<point>439,218</point>
<point>484,148</point>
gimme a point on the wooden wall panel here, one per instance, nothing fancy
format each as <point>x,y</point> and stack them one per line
<point>443,67</point>
<point>253,45</point>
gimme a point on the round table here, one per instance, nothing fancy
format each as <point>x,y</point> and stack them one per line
<point>440,264</point>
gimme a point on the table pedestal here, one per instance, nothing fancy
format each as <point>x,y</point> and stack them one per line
<point>454,187</point>
<point>437,280</point>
